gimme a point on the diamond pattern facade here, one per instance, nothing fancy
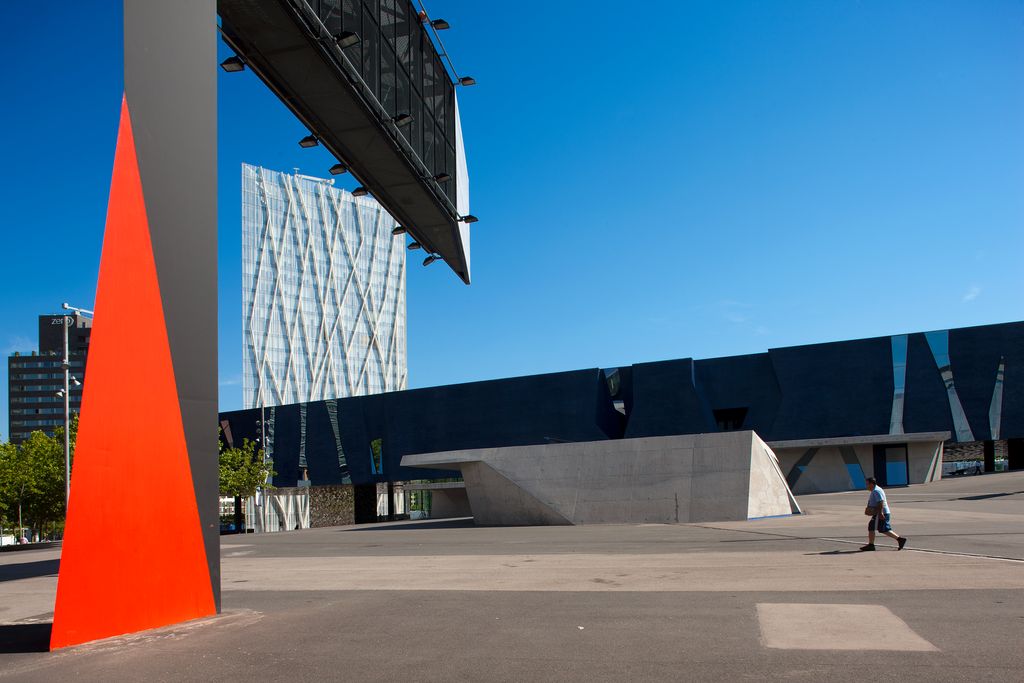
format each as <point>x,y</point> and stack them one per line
<point>323,292</point>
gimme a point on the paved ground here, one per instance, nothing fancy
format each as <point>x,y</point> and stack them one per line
<point>774,598</point>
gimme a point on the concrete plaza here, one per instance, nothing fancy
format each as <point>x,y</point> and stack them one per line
<point>444,600</point>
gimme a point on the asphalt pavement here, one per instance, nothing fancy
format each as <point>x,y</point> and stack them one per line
<point>781,598</point>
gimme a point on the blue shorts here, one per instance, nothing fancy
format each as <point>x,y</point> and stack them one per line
<point>884,522</point>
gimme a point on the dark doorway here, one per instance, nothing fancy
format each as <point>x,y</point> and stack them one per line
<point>1015,454</point>
<point>891,466</point>
<point>365,503</point>
<point>989,451</point>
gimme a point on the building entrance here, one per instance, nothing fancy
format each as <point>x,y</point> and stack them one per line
<point>891,467</point>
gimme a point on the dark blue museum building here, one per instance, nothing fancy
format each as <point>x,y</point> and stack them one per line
<point>832,412</point>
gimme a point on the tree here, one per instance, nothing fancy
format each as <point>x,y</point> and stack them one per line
<point>26,471</point>
<point>43,456</point>
<point>8,455</point>
<point>242,472</point>
<point>32,479</point>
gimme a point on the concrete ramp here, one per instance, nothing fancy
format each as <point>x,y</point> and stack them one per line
<point>671,479</point>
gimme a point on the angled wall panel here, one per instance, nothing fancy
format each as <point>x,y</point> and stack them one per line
<point>665,401</point>
<point>742,382</point>
<point>976,355</point>
<point>834,389</point>
<point>673,479</point>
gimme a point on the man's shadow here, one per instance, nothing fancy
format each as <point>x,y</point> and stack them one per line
<point>836,552</point>
<point>19,638</point>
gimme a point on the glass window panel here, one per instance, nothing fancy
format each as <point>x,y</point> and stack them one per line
<point>427,61</point>
<point>439,156</point>
<point>351,15</point>
<point>899,362</point>
<point>939,343</point>
<point>388,21</point>
<point>403,30</point>
<point>387,79</point>
<point>330,14</point>
<point>402,106</point>
<point>450,109</point>
<point>416,127</point>
<point>371,55</point>
<point>438,93</point>
<point>428,141</point>
<point>416,59</point>
<point>449,187</point>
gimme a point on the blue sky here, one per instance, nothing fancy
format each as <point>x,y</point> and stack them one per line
<point>694,180</point>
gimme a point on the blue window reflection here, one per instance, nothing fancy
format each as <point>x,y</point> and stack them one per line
<point>857,480</point>
<point>938,342</point>
<point>896,466</point>
<point>899,362</point>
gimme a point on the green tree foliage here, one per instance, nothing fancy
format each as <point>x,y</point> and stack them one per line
<point>8,459</point>
<point>44,456</point>
<point>243,471</point>
<point>32,479</point>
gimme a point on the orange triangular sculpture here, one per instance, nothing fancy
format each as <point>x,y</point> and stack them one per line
<point>133,555</point>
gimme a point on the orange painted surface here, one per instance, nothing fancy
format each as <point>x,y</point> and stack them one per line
<point>133,555</point>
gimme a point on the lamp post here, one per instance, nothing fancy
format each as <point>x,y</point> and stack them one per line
<point>66,393</point>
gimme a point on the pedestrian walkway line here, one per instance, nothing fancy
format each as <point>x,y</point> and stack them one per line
<point>954,553</point>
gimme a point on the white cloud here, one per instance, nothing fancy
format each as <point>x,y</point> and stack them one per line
<point>972,293</point>
<point>231,381</point>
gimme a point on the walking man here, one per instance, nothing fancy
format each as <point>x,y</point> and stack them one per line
<point>880,516</point>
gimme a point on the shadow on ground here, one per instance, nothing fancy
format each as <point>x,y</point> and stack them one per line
<point>837,552</point>
<point>458,523</point>
<point>16,638</point>
<point>29,570</point>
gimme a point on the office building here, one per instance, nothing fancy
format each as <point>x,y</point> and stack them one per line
<point>323,292</point>
<point>35,377</point>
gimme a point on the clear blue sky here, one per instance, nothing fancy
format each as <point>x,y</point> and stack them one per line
<point>694,179</point>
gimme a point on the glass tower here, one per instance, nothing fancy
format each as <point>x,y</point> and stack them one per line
<point>323,292</point>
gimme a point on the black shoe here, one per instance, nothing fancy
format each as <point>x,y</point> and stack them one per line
<point>900,542</point>
<point>869,546</point>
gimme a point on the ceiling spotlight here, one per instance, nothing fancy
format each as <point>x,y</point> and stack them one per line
<point>398,230</point>
<point>467,80</point>
<point>413,246</point>
<point>360,192</point>
<point>442,177</point>
<point>309,141</point>
<point>402,120</point>
<point>469,218</point>
<point>440,24</point>
<point>338,169</point>
<point>347,39</point>
<point>430,259</point>
<point>233,64</point>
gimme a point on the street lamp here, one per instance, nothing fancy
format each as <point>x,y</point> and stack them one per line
<point>66,393</point>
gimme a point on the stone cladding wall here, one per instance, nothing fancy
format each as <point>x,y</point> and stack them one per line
<point>331,506</point>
